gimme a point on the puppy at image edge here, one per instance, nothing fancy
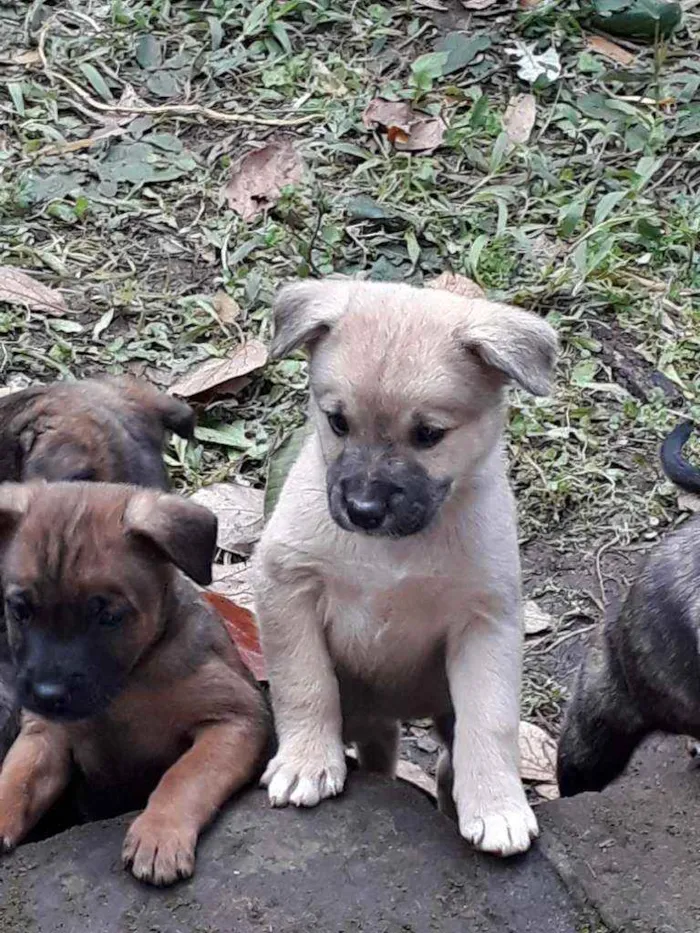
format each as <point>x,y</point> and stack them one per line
<point>388,577</point>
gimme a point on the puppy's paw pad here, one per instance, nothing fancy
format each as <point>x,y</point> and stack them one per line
<point>158,853</point>
<point>303,784</point>
<point>506,833</point>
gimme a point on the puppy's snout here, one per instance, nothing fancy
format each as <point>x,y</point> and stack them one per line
<point>50,692</point>
<point>366,508</point>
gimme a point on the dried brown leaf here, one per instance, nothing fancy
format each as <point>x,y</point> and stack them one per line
<point>477,4</point>
<point>226,308</point>
<point>239,510</point>
<point>17,287</point>
<point>235,581</point>
<point>535,620</point>
<point>27,57</point>
<point>520,117</point>
<point>538,755</point>
<point>412,773</point>
<point>222,377</point>
<point>548,791</point>
<point>432,5</point>
<point>458,284</point>
<point>408,130</point>
<point>610,50</point>
<point>256,181</point>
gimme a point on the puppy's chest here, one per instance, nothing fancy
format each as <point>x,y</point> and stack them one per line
<point>370,617</point>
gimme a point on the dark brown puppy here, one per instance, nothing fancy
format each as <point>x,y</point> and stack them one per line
<point>126,677</point>
<point>110,430</point>
<point>642,672</point>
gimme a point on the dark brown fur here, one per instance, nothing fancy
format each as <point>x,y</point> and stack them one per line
<point>185,727</point>
<point>110,430</point>
<point>642,674</point>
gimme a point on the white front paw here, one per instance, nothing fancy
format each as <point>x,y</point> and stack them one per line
<point>305,776</point>
<point>505,830</point>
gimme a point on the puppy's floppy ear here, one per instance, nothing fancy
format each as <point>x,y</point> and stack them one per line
<point>175,415</point>
<point>303,312</point>
<point>519,344</point>
<point>181,530</point>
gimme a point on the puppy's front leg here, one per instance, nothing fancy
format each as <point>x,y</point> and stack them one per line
<point>34,773</point>
<point>484,667</point>
<point>310,763</point>
<point>160,844</point>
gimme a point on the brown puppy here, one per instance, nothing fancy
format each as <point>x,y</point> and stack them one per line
<point>110,430</point>
<point>126,676</point>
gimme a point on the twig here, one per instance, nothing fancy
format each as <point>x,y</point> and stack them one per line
<point>182,110</point>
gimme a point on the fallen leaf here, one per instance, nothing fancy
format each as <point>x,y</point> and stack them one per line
<point>226,308</point>
<point>256,182</point>
<point>222,376</point>
<point>412,773</point>
<point>536,620</point>
<point>610,50</point>
<point>432,5</point>
<point>688,502</point>
<point>458,285</point>
<point>27,57</point>
<point>280,464</point>
<point>235,582</point>
<point>239,510</point>
<point>533,65</point>
<point>538,755</point>
<point>520,117</point>
<point>548,791</point>
<point>241,626</point>
<point>477,4</point>
<point>461,50</point>
<point>17,287</point>
<point>408,130</point>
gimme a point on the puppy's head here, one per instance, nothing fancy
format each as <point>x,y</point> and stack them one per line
<point>104,430</point>
<point>407,391</point>
<point>85,571</point>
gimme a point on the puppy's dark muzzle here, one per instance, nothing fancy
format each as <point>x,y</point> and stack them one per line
<point>374,492</point>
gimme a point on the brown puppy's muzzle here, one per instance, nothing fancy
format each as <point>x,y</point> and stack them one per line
<point>373,491</point>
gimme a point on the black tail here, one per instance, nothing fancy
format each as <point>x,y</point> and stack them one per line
<point>678,470</point>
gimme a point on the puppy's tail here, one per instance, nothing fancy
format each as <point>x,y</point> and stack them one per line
<point>675,466</point>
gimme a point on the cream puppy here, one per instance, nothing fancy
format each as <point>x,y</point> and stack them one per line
<point>388,576</point>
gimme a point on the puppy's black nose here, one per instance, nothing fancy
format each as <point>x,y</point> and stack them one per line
<point>365,512</point>
<point>50,692</point>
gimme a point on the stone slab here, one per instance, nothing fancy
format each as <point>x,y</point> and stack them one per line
<point>633,852</point>
<point>380,859</point>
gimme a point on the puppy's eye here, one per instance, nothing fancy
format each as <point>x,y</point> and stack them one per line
<point>339,423</point>
<point>18,606</point>
<point>423,436</point>
<point>106,614</point>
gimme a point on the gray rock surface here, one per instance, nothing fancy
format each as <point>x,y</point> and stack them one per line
<point>633,852</point>
<point>380,860</point>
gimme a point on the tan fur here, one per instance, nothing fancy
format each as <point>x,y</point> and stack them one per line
<point>189,726</point>
<point>362,631</point>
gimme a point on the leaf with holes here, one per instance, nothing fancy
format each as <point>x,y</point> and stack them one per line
<point>533,66</point>
<point>19,288</point>
<point>241,626</point>
<point>222,376</point>
<point>239,510</point>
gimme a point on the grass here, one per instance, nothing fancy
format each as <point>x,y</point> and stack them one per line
<point>594,223</point>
